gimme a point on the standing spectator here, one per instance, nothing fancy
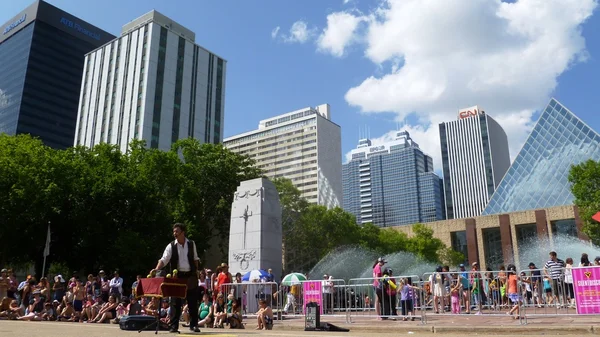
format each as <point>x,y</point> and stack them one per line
<point>466,287</point>
<point>44,288</point>
<point>513,290</point>
<point>270,276</point>
<point>327,285</point>
<point>597,261</point>
<point>134,285</point>
<point>377,274</point>
<point>116,285</point>
<point>569,291</point>
<point>12,284</point>
<point>4,280</point>
<point>223,278</point>
<point>104,285</point>
<point>59,288</point>
<point>585,261</point>
<point>536,284</point>
<point>554,270</point>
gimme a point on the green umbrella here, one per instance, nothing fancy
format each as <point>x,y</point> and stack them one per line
<point>293,279</point>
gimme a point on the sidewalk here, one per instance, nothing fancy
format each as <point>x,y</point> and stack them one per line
<point>463,324</point>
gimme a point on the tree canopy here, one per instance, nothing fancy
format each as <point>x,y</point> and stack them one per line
<point>585,180</point>
<point>108,209</point>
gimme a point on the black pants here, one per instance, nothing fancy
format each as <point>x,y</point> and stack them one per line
<point>192,302</point>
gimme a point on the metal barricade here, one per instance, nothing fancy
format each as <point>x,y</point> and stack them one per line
<point>335,298</point>
<point>547,293</point>
<point>384,297</point>
<point>466,292</point>
<point>250,293</point>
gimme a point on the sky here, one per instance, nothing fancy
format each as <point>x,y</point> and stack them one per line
<point>386,64</point>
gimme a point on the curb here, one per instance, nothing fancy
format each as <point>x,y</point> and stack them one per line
<point>466,330</point>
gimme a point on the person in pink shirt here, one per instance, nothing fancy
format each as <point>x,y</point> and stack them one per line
<point>377,274</point>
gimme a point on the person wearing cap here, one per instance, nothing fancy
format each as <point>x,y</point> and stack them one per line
<point>59,288</point>
<point>35,309</point>
<point>182,255</point>
<point>104,285</point>
<point>377,275</point>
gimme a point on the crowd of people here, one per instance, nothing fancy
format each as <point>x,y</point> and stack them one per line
<point>461,291</point>
<point>100,299</point>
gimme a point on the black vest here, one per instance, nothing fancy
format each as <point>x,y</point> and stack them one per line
<point>190,255</point>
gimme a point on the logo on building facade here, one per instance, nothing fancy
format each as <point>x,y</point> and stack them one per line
<point>79,28</point>
<point>14,24</point>
<point>377,148</point>
<point>468,112</point>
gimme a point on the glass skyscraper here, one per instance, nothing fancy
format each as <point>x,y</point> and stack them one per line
<point>392,184</point>
<point>41,65</point>
<point>474,159</point>
<point>538,178</point>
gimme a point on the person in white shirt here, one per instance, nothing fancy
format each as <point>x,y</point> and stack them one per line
<point>116,285</point>
<point>182,255</point>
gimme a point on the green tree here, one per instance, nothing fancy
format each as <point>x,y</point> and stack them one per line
<point>423,244</point>
<point>585,180</point>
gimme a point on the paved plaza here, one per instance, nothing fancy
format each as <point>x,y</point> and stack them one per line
<point>449,326</point>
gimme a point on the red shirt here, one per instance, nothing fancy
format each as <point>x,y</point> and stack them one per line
<point>222,279</point>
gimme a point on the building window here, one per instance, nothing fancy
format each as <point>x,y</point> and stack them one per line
<point>459,242</point>
<point>564,228</point>
<point>492,247</point>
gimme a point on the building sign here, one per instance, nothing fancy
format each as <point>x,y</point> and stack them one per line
<point>377,148</point>
<point>313,292</point>
<point>14,24</point>
<point>468,112</point>
<point>79,28</point>
<point>586,284</point>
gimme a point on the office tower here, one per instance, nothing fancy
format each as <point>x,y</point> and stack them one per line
<point>539,176</point>
<point>41,63</point>
<point>392,184</point>
<point>152,83</point>
<point>474,159</point>
<point>303,146</point>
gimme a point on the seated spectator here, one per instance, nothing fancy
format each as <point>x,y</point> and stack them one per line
<point>49,313</point>
<point>153,308</point>
<point>164,311</point>
<point>265,316</point>
<point>134,307</point>
<point>220,311</point>
<point>35,309</point>
<point>13,311</point>
<point>87,313</point>
<point>235,317</point>
<point>67,314</point>
<point>121,311</point>
<point>205,312</point>
<point>108,311</point>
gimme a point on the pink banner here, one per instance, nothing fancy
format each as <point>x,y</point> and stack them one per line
<point>586,283</point>
<point>313,292</point>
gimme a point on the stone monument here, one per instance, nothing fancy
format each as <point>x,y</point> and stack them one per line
<point>255,233</point>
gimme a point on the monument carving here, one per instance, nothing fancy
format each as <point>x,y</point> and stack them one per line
<point>255,234</point>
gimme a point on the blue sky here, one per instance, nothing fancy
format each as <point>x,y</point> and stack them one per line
<point>380,64</point>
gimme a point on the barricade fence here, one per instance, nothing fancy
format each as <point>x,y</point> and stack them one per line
<point>248,295</point>
<point>388,297</point>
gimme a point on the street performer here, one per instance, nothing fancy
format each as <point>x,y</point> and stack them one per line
<point>183,255</point>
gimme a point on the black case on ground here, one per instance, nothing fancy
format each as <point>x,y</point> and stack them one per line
<point>140,322</point>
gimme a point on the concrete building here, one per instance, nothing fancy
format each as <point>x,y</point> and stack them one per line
<point>498,239</point>
<point>474,158</point>
<point>392,184</point>
<point>152,83</point>
<point>303,146</point>
<point>42,53</point>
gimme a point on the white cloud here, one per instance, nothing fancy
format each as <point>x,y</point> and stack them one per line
<point>339,33</point>
<point>274,32</point>
<point>445,55</point>
<point>299,33</point>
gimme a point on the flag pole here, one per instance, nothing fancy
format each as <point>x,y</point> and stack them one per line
<point>46,250</point>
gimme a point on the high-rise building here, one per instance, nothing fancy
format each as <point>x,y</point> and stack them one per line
<point>392,184</point>
<point>152,83</point>
<point>41,63</point>
<point>474,159</point>
<point>539,176</point>
<point>304,146</point>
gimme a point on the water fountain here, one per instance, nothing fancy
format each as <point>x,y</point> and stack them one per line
<point>356,262</point>
<point>536,250</point>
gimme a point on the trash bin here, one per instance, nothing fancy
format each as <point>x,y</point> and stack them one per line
<point>312,316</point>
